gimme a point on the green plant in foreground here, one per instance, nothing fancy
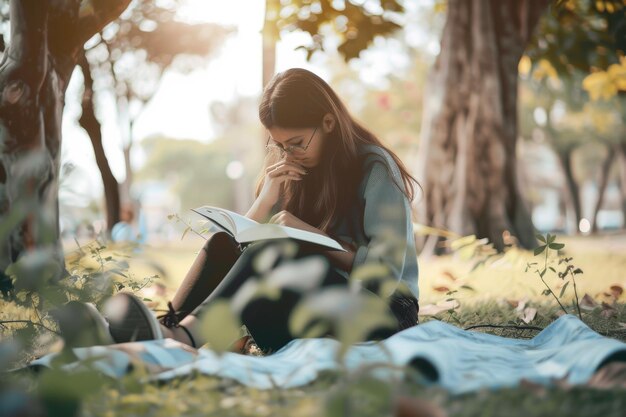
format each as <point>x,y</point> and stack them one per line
<point>550,244</point>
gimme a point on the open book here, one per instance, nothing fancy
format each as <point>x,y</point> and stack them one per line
<point>246,230</point>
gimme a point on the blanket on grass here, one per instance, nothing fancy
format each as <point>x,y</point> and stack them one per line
<point>455,359</point>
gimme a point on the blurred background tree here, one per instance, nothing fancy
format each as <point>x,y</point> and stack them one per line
<point>576,55</point>
<point>127,60</point>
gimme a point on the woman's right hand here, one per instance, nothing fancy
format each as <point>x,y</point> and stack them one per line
<point>275,176</point>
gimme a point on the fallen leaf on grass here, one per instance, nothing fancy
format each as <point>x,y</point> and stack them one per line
<point>616,290</point>
<point>608,311</point>
<point>528,314</point>
<point>588,303</point>
<point>449,275</point>
<point>432,309</point>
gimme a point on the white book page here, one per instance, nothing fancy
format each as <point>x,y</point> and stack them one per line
<point>275,231</point>
<point>236,222</point>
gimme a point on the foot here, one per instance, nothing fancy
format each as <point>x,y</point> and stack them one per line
<point>80,324</point>
<point>130,320</point>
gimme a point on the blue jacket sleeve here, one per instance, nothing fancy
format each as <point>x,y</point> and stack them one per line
<point>387,224</point>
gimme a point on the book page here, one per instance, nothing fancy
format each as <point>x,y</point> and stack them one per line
<point>236,222</point>
<point>275,231</point>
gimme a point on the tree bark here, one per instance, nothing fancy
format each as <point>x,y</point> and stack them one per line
<point>92,126</point>
<point>621,158</point>
<point>469,135</point>
<point>604,180</point>
<point>46,38</point>
<point>573,190</point>
<point>270,37</point>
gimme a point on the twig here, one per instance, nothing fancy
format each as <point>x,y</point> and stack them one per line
<point>580,316</point>
<point>503,326</point>
<point>3,322</point>
<point>190,227</point>
<point>545,268</point>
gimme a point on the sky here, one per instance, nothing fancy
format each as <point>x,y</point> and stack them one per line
<point>180,108</point>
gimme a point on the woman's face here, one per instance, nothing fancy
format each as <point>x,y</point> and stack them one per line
<point>304,146</point>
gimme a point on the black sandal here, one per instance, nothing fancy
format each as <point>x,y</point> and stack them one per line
<point>171,320</point>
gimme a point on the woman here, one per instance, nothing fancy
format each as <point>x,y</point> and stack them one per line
<point>324,173</point>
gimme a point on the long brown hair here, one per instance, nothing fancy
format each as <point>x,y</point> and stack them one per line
<point>298,99</point>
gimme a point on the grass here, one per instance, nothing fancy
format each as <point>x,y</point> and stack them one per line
<point>489,295</point>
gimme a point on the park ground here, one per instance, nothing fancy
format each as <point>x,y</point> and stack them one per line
<point>502,291</point>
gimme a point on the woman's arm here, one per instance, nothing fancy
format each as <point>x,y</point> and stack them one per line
<point>341,260</point>
<point>259,211</point>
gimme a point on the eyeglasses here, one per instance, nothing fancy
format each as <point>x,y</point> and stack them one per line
<point>291,149</point>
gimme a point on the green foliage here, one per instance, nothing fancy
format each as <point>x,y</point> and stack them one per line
<point>550,245</point>
<point>580,35</point>
<point>355,23</point>
<point>194,171</point>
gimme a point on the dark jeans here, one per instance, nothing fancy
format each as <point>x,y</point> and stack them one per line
<point>221,269</point>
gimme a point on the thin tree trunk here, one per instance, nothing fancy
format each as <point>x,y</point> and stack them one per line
<point>92,126</point>
<point>128,180</point>
<point>468,161</point>
<point>620,150</point>
<point>270,37</point>
<point>573,190</point>
<point>604,180</point>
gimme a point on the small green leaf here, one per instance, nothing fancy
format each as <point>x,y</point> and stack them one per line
<point>540,237</point>
<point>552,269</point>
<point>542,273</point>
<point>551,238</point>
<point>187,229</point>
<point>539,250</point>
<point>563,289</point>
<point>556,246</point>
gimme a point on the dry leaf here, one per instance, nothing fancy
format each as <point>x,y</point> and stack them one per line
<point>588,303</point>
<point>449,275</point>
<point>441,288</point>
<point>433,309</point>
<point>608,311</point>
<point>616,290</point>
<point>529,314</point>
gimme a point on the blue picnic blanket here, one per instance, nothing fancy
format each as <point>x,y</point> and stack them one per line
<point>455,359</point>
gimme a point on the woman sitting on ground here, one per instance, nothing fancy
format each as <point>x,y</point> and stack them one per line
<point>324,173</point>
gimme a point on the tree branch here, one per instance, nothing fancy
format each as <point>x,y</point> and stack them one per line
<point>96,14</point>
<point>34,323</point>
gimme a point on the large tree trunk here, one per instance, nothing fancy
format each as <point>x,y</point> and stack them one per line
<point>46,38</point>
<point>573,190</point>
<point>604,180</point>
<point>92,126</point>
<point>468,162</point>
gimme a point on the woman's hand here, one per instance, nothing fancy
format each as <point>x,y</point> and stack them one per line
<point>284,218</point>
<point>275,176</point>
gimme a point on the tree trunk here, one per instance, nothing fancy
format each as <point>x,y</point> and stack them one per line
<point>621,158</point>
<point>604,180</point>
<point>30,116</point>
<point>573,190</point>
<point>270,37</point>
<point>92,126</point>
<point>469,135</point>
<point>34,74</point>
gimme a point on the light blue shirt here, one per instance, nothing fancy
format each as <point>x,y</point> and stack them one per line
<point>379,224</point>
